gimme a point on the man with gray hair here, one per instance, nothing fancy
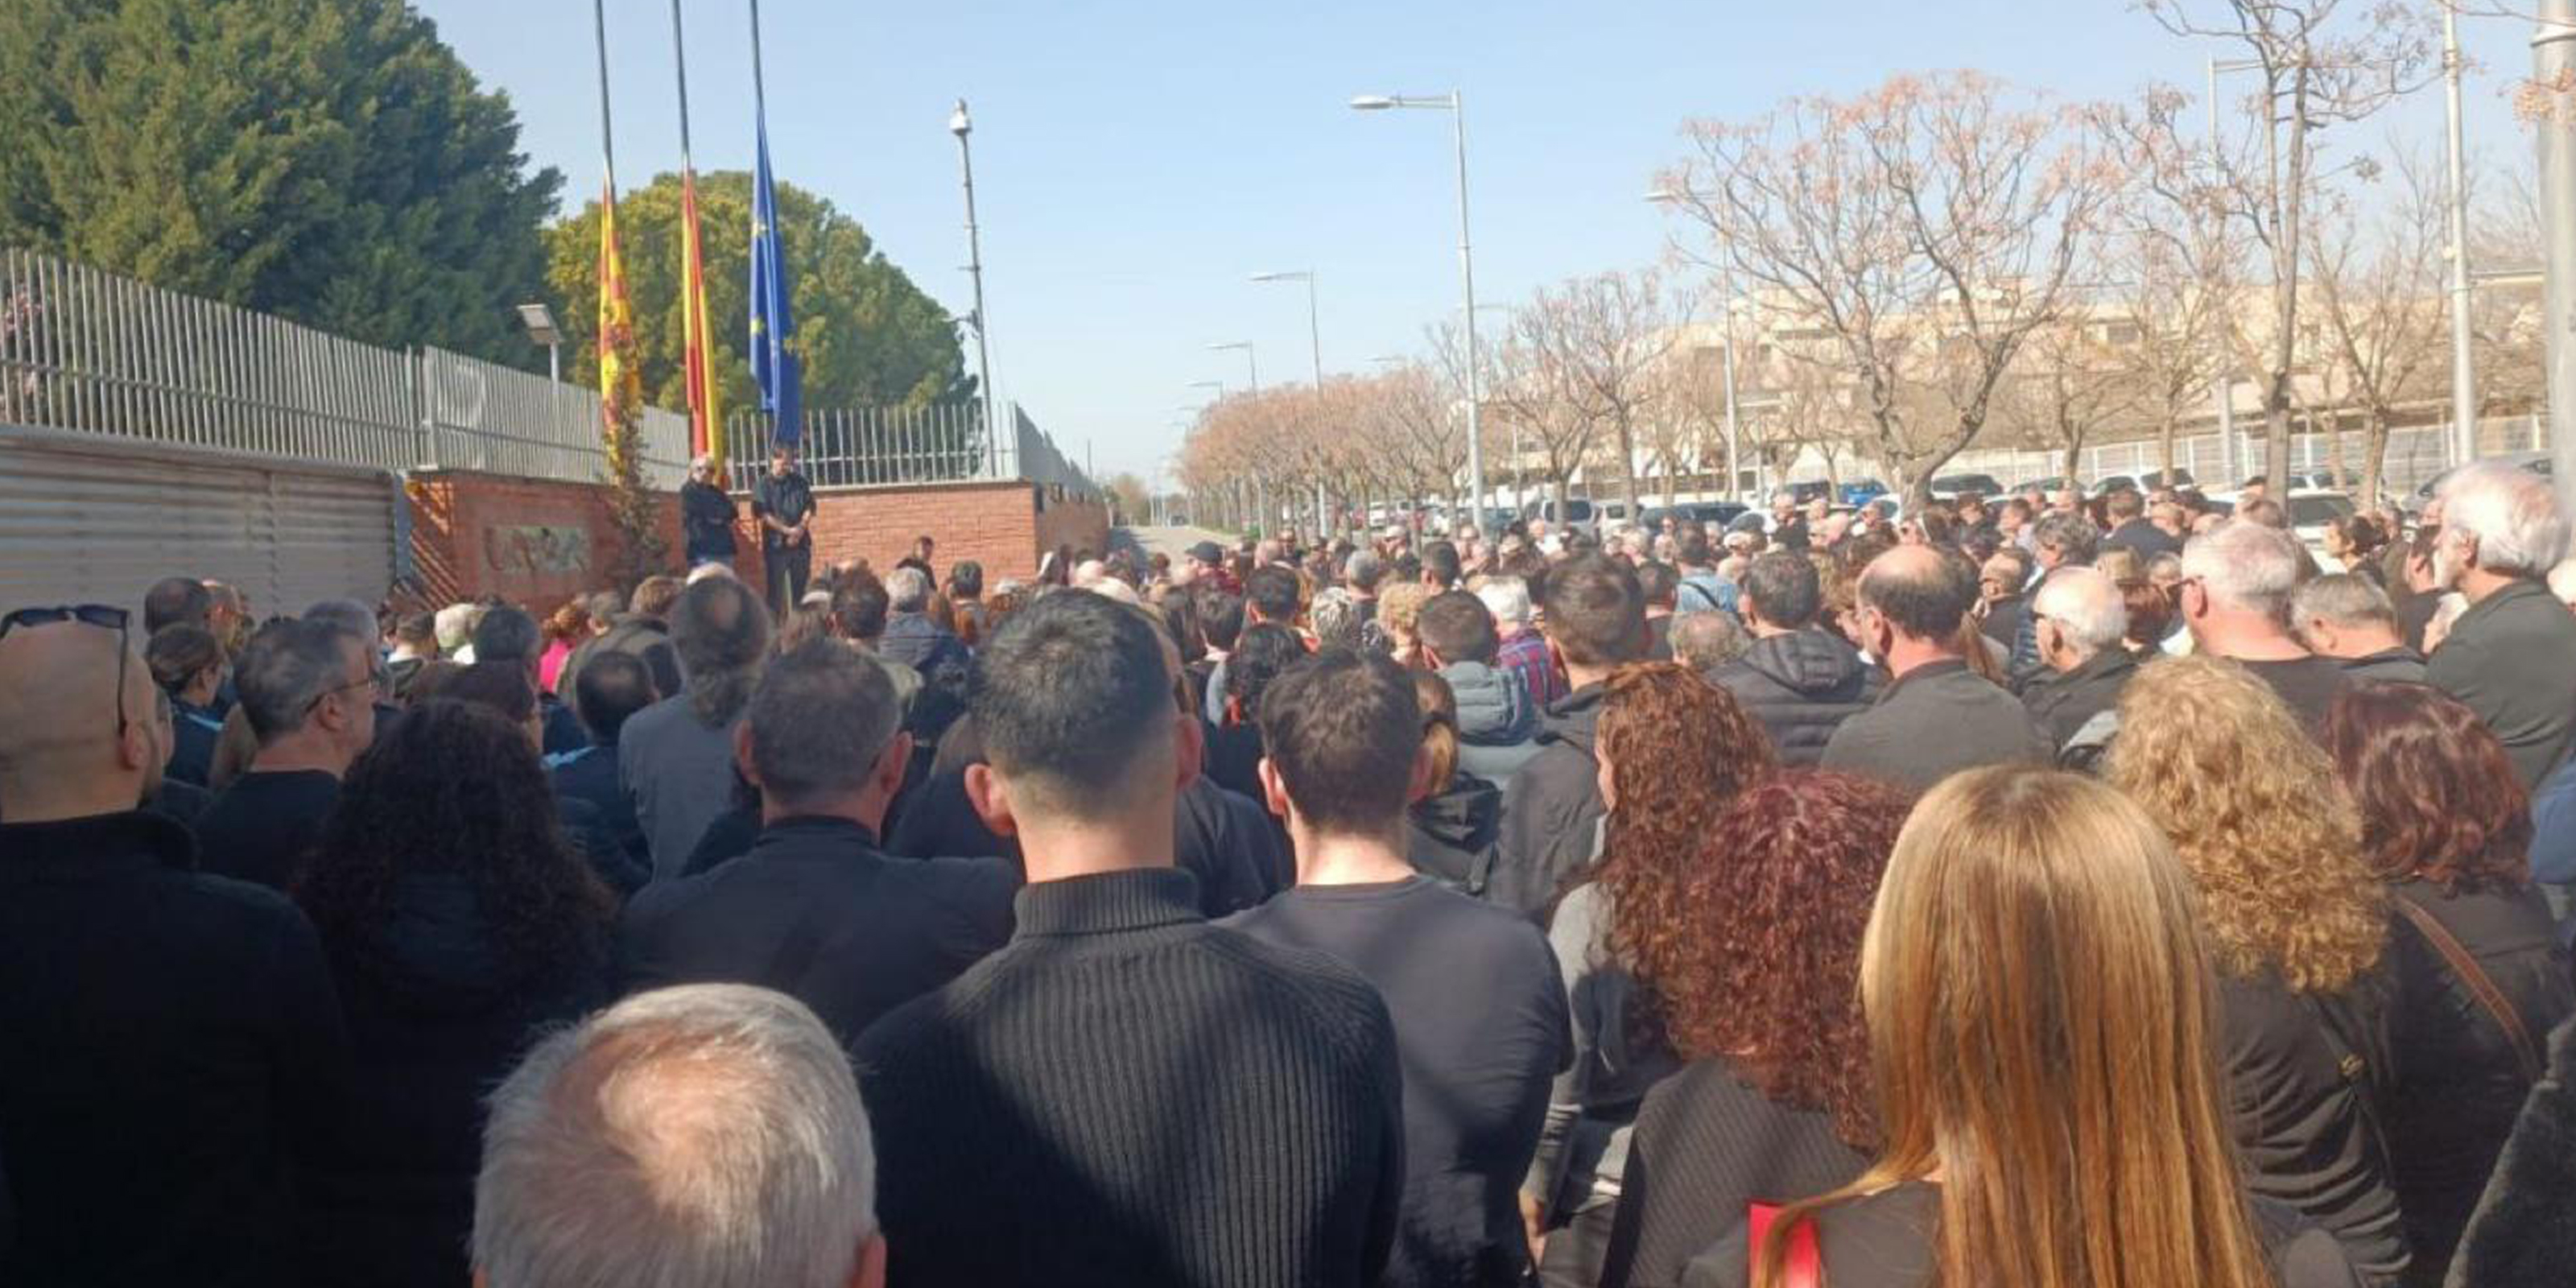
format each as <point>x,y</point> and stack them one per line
<point>816,909</point>
<point>911,636</point>
<point>691,1136</point>
<point>1522,651</point>
<point>675,758</point>
<point>706,516</point>
<point>2235,600</point>
<point>2082,624</point>
<point>1705,641</point>
<point>2350,619</point>
<point>2512,656</point>
<point>308,689</point>
<point>510,637</point>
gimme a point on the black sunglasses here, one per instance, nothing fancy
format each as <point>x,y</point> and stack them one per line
<point>106,617</point>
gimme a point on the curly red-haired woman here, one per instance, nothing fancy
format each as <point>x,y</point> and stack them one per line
<point>2447,824</point>
<point>1776,1103</point>
<point>1674,750</point>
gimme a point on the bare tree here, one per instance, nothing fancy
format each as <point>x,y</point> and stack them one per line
<point>1927,228</point>
<point>1596,346</point>
<point>2379,296</point>
<point>2319,62</point>
<point>2072,378</point>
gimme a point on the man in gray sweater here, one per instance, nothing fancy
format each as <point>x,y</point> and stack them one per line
<point>1938,717</point>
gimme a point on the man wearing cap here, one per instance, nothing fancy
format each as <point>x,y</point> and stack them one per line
<point>1205,562</point>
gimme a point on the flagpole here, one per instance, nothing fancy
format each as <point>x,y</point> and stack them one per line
<point>607,147</point>
<point>680,62</point>
<point>759,102</point>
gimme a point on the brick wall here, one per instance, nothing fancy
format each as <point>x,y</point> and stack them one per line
<point>539,542</point>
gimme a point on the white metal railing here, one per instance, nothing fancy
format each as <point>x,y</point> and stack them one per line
<point>478,415</point>
<point>931,443</point>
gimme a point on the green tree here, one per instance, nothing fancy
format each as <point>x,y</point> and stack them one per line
<point>329,161</point>
<point>1134,501</point>
<point>865,334</point>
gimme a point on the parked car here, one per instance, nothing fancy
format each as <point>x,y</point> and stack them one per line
<point>1860,491</point>
<point>2051,485</point>
<point>1810,490</point>
<point>1713,514</point>
<point>1948,486</point>
<point>2540,463</point>
<point>2152,480</point>
<point>2310,510</point>
<point>1577,512</point>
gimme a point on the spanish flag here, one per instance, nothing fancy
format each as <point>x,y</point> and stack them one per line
<point>620,391</point>
<point>706,425</point>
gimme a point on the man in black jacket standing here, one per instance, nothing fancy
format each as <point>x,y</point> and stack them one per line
<point>1125,1094</point>
<point>2512,657</point>
<point>173,1039</point>
<point>1938,717</point>
<point>706,516</point>
<point>783,502</point>
<point>1798,679</point>
<point>817,910</point>
<point>1596,620</point>
<point>2082,622</point>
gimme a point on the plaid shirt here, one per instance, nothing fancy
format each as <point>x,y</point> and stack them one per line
<point>1525,655</point>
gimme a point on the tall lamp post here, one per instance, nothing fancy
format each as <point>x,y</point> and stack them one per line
<point>1454,103</point>
<point>2464,396</point>
<point>962,125</point>
<point>2553,55</point>
<point>1251,367</point>
<point>1314,330</point>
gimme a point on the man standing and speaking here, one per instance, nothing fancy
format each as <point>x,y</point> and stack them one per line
<point>706,516</point>
<point>784,504</point>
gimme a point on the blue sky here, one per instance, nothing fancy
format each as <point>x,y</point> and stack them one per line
<point>1136,162</point>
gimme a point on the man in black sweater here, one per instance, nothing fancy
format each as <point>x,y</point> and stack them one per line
<point>1346,756</point>
<point>1596,620</point>
<point>1124,1094</point>
<point>816,910</point>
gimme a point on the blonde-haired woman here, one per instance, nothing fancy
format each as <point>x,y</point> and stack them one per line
<point>2037,993</point>
<point>2298,926</point>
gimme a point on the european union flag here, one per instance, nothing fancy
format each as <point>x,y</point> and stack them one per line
<point>773,366</point>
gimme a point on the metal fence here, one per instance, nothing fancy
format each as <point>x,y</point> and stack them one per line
<point>86,350</point>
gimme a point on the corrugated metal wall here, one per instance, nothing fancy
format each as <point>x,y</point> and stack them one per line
<point>88,519</point>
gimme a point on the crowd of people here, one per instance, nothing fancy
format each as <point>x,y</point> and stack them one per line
<point>2025,892</point>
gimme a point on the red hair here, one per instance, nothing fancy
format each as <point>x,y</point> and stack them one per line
<point>2438,798</point>
<point>1780,896</point>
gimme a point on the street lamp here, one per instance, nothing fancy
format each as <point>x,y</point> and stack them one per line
<point>1314,332</point>
<point>962,125</point>
<point>1250,366</point>
<point>540,322</point>
<point>1455,104</point>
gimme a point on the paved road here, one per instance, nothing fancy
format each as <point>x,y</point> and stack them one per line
<point>1169,541</point>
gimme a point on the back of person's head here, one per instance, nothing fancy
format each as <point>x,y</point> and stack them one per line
<point>348,615</point>
<point>1674,750</point>
<point>1508,599</point>
<point>604,607</point>
<point>2264,511</point>
<point>2342,600</point>
<point>1341,730</point>
<point>2084,607</point>
<point>2244,566</point>
<point>803,624</point>
<point>2124,505</point>
<point>966,578</point>
<point>1923,593</point>
<point>701,1135</point>
<point>720,630</point>
<point>1596,612</point>
<point>1362,570</point>
<point>860,604</point>
<point>417,631</point>
<point>1270,594</point>
<point>2252,804</point>
<point>1781,589</point>
<point>569,624</point>
<point>1261,655</point>
<point>608,690</point>
<point>2511,514</point>
<point>1658,583</point>
<point>2080,1074</point>
<point>182,601</point>
<point>2439,799</point>
<point>454,789</point>
<point>455,627</point>
<point>819,725</point>
<point>1692,548</point>
<point>179,653</point>
<point>1771,982</point>
<point>1704,641</point>
<point>1440,565</point>
<point>654,596</point>
<point>1335,618</point>
<point>501,688</point>
<point>1439,730</point>
<point>1075,707</point>
<point>2072,537</point>
<point>508,635</point>
<point>1220,617</point>
<point>1457,626</point>
<point>289,667</point>
<point>907,589</point>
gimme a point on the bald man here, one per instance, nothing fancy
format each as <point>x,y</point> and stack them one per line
<point>171,1037</point>
<point>1938,717</point>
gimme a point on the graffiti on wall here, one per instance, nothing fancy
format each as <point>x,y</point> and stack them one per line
<point>536,548</point>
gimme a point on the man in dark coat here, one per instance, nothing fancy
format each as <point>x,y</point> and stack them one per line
<point>2350,619</point>
<point>1800,680</point>
<point>1596,620</point>
<point>2133,531</point>
<point>175,1047</point>
<point>2082,623</point>
<point>706,516</point>
<point>1938,717</point>
<point>2512,657</point>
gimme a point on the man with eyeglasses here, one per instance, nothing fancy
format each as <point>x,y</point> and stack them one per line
<point>309,690</point>
<point>172,1037</point>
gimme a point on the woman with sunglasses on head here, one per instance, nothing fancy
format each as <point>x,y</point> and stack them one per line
<point>2481,978</point>
<point>2060,1121</point>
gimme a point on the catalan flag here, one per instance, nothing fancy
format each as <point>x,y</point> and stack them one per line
<point>620,390</point>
